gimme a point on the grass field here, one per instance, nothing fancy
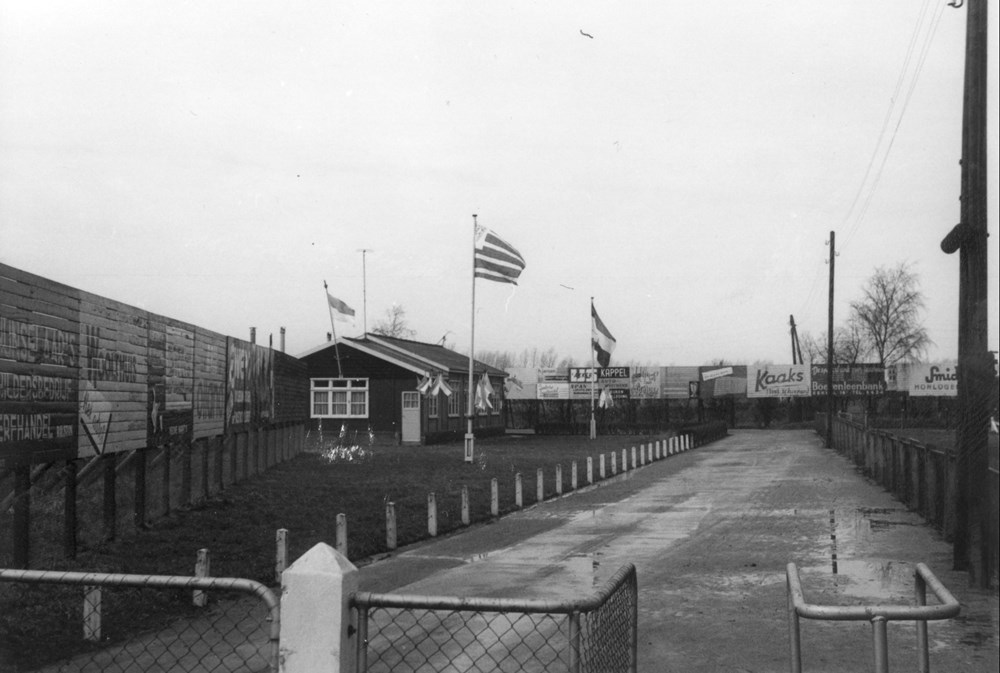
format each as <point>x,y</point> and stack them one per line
<point>303,495</point>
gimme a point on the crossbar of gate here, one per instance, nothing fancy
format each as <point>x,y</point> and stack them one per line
<point>878,615</point>
<point>398,633</point>
<point>227,635</point>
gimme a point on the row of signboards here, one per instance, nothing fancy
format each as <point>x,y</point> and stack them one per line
<point>82,375</point>
<point>754,381</point>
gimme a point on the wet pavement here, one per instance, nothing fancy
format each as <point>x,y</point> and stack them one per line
<point>710,532</point>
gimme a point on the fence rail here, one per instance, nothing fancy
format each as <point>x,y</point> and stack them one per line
<point>109,626</point>
<point>437,633</point>
<point>878,615</point>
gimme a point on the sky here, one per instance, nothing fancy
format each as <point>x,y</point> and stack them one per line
<point>683,163</point>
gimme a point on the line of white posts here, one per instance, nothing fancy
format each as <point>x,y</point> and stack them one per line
<point>316,589</point>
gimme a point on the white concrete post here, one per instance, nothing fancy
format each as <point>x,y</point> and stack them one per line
<point>540,486</point>
<point>342,534</point>
<point>573,483</point>
<point>432,514</point>
<point>518,491</point>
<point>614,463</point>
<point>633,458</point>
<point>465,505</point>
<point>494,497</point>
<point>202,568</point>
<point>280,553</point>
<point>624,460</point>
<point>558,478</point>
<point>642,454</point>
<point>92,614</point>
<point>590,469</point>
<point>602,471</point>
<point>316,613</point>
<point>390,525</point>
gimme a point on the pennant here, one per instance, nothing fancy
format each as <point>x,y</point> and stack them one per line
<point>605,400</point>
<point>424,385</point>
<point>441,386</point>
<point>604,344</point>
<point>495,259</point>
<point>341,310</point>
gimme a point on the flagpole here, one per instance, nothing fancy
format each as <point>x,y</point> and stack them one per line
<point>470,437</point>
<point>336,346</point>
<point>593,374</point>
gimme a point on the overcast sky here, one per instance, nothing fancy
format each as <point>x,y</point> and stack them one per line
<point>682,162</point>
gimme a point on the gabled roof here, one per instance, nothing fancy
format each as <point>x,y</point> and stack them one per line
<point>416,356</point>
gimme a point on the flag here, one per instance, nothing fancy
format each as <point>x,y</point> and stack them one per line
<point>342,310</point>
<point>483,392</point>
<point>440,386</point>
<point>424,384</point>
<point>600,337</point>
<point>495,259</point>
<point>606,400</point>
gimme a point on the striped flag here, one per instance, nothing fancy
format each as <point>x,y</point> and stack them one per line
<point>343,311</point>
<point>600,337</point>
<point>495,259</point>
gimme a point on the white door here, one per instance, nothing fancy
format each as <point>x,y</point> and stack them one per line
<point>411,416</point>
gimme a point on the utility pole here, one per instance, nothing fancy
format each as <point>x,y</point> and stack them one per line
<point>829,351</point>
<point>971,550</point>
<point>364,287</point>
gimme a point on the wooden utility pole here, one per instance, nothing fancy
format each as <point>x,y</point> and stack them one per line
<point>971,549</point>
<point>829,351</point>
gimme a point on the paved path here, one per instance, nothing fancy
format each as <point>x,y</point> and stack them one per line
<point>711,532</point>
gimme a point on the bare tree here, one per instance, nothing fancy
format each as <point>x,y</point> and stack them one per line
<point>394,324</point>
<point>850,346</point>
<point>888,315</point>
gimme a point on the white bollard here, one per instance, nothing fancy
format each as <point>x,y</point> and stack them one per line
<point>92,614</point>
<point>390,525</point>
<point>518,491</point>
<point>494,497</point>
<point>280,553</point>
<point>202,568</point>
<point>540,486</point>
<point>342,534</point>
<point>602,471</point>
<point>624,460</point>
<point>558,478</point>
<point>573,476</point>
<point>432,515</point>
<point>465,505</point>
<point>590,470</point>
<point>642,454</point>
<point>316,629</point>
<point>614,463</point>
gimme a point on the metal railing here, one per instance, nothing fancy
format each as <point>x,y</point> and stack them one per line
<point>437,633</point>
<point>878,615</point>
<point>115,624</point>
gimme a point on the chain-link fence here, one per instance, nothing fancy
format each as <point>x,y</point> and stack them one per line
<point>71,621</point>
<point>426,633</point>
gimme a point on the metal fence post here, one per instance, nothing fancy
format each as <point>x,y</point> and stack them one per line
<point>574,642</point>
<point>281,552</point>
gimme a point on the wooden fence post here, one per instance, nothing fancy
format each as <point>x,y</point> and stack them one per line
<point>281,553</point>
<point>342,534</point>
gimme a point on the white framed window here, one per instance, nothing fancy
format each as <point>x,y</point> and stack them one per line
<point>432,406</point>
<point>339,398</point>
<point>456,399</point>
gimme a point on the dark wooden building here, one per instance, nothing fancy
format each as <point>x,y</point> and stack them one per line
<point>411,391</point>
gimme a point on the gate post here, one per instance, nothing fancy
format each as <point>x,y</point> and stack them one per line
<point>316,613</point>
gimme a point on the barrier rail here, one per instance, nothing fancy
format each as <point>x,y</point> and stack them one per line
<point>878,615</point>
<point>438,633</point>
<point>221,637</point>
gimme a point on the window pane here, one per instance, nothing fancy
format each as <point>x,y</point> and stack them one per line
<point>359,404</point>
<point>339,403</point>
<point>321,403</point>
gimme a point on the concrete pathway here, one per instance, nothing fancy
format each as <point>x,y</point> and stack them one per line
<point>711,532</point>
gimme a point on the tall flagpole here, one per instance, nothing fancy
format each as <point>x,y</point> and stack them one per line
<point>336,346</point>
<point>470,437</point>
<point>593,374</point>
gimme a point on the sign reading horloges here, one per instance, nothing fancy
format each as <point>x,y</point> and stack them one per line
<point>932,380</point>
<point>778,381</point>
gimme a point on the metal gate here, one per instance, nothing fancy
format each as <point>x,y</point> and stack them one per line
<point>442,633</point>
<point>73,621</point>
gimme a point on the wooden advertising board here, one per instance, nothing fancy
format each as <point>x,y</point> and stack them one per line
<point>38,369</point>
<point>209,383</point>
<point>249,385</point>
<point>113,363</point>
